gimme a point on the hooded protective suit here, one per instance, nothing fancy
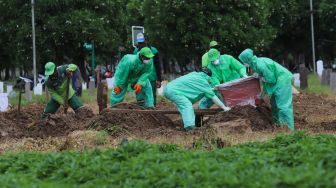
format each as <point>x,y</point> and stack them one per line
<point>188,89</point>
<point>132,71</point>
<point>277,82</point>
<point>227,69</point>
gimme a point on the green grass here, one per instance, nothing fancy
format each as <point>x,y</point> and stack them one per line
<point>314,86</point>
<point>296,160</point>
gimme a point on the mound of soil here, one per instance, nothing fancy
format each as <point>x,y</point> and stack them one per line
<point>258,118</point>
<point>28,123</point>
<point>311,112</point>
<point>315,112</point>
<point>132,124</point>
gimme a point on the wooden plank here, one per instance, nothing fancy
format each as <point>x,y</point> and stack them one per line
<point>170,111</point>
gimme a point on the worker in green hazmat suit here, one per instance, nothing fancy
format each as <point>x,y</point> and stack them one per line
<point>224,68</point>
<point>187,90</point>
<point>205,57</point>
<point>155,77</point>
<point>277,82</point>
<point>134,70</point>
<point>56,84</point>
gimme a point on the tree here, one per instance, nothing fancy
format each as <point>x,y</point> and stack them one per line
<point>326,29</point>
<point>184,28</point>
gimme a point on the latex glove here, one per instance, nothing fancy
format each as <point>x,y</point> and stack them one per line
<point>245,76</point>
<point>256,75</point>
<point>117,90</point>
<point>158,84</point>
<point>137,88</point>
<point>226,109</point>
<point>219,103</point>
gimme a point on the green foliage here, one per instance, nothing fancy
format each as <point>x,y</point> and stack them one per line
<point>326,29</point>
<point>181,29</point>
<point>189,26</point>
<point>295,160</point>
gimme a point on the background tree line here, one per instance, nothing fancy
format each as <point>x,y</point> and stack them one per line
<point>180,29</point>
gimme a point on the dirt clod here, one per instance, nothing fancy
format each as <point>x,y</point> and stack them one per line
<point>257,120</point>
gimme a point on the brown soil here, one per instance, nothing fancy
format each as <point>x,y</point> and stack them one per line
<point>28,123</point>
<point>132,124</point>
<point>257,118</point>
<point>312,112</point>
<point>315,112</point>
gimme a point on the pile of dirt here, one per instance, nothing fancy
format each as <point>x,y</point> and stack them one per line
<point>132,124</point>
<point>311,112</point>
<point>29,124</point>
<point>314,112</point>
<point>257,118</point>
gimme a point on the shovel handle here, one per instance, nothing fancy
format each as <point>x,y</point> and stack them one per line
<point>66,105</point>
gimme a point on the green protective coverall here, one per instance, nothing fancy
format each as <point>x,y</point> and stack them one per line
<point>277,82</point>
<point>57,90</point>
<point>187,90</point>
<point>132,71</point>
<point>153,77</point>
<point>227,70</point>
<point>205,60</point>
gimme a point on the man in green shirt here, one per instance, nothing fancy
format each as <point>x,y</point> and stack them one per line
<point>155,77</point>
<point>56,84</point>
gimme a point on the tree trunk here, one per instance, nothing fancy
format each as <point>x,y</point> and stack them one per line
<point>7,73</point>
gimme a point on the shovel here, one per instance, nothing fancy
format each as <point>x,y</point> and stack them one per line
<point>66,103</point>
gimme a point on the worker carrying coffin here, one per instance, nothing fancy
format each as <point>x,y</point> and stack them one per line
<point>277,82</point>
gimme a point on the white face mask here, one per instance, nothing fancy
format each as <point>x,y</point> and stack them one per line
<point>146,61</point>
<point>216,62</point>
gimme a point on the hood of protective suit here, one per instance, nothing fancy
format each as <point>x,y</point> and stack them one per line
<point>248,57</point>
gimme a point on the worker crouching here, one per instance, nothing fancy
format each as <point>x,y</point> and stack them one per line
<point>57,86</point>
<point>134,70</point>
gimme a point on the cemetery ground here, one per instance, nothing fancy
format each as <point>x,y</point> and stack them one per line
<point>240,148</point>
<point>314,111</point>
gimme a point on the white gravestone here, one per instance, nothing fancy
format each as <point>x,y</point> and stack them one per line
<point>9,89</point>
<point>296,77</point>
<point>84,86</point>
<point>1,87</point>
<point>3,102</point>
<point>319,68</point>
<point>38,89</point>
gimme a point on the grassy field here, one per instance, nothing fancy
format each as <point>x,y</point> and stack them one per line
<point>314,86</point>
<point>296,160</point>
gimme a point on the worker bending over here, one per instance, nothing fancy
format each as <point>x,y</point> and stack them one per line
<point>57,85</point>
<point>134,70</point>
<point>187,90</point>
<point>224,68</point>
<point>277,82</point>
